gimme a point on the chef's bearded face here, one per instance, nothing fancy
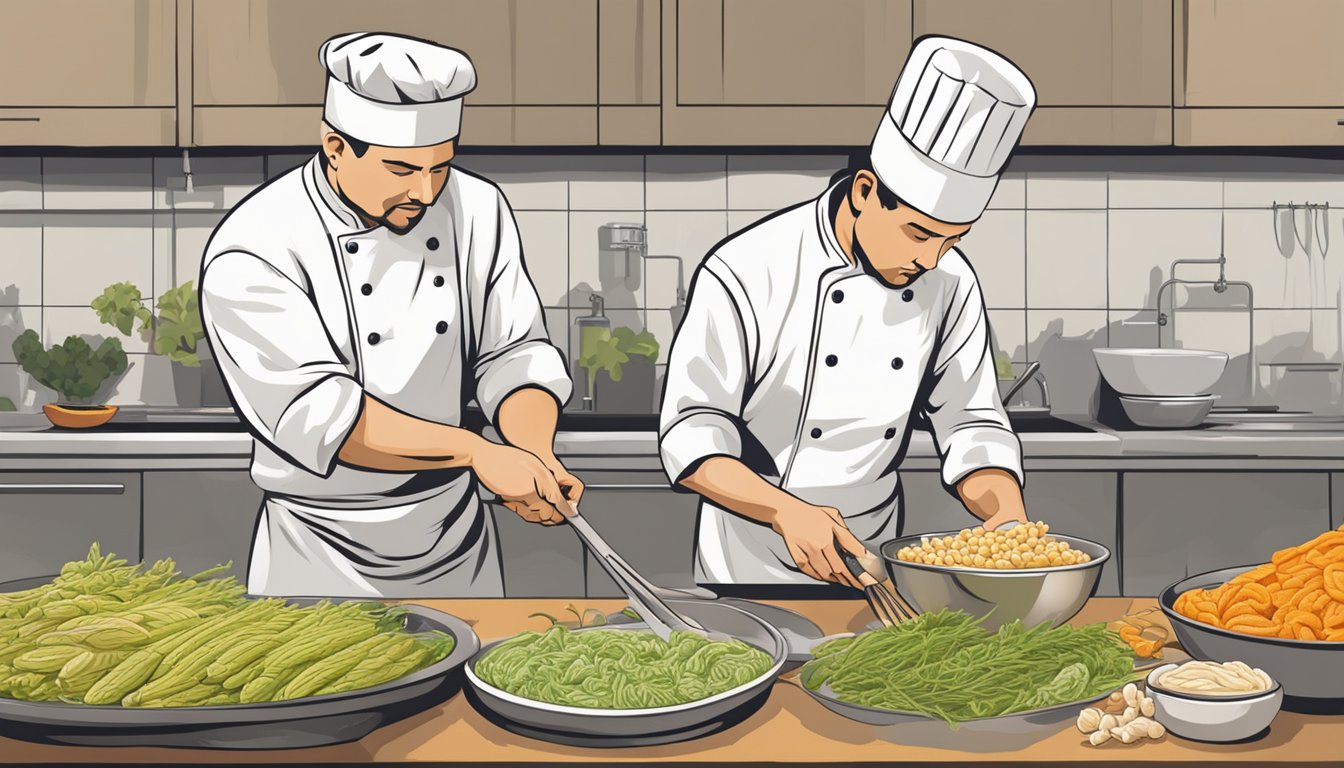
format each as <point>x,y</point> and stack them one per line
<point>897,241</point>
<point>391,186</point>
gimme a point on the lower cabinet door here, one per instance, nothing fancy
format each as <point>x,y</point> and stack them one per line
<point>1179,524</point>
<point>201,519</point>
<point>48,519</point>
<point>650,525</point>
<point>1081,504</point>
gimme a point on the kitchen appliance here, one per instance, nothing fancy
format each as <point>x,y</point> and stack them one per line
<point>589,727</point>
<point>307,722</point>
<point>594,330</point>
<point>1311,671</point>
<point>1033,595</point>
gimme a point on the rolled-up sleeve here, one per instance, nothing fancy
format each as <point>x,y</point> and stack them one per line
<point>513,349</point>
<point>706,380</point>
<point>286,378</point>
<point>969,424</point>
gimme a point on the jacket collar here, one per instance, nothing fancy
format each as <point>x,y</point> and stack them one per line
<point>835,255</point>
<point>327,198</point>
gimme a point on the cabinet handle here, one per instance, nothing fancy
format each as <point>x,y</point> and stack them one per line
<point>1340,121</point>
<point>20,119</point>
<point>627,487</point>
<point>62,488</point>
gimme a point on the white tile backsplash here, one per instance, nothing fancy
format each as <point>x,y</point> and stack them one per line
<point>1066,259</point>
<point>545,237</point>
<point>529,182</point>
<point>21,259</point>
<point>688,235</point>
<point>687,183</point>
<point>614,183</point>
<point>98,183</point>
<point>1009,329</point>
<point>1011,192</point>
<point>758,182</point>
<point>1065,255</point>
<point>997,249</point>
<point>217,182</point>
<point>13,322</point>
<point>1047,191</point>
<point>21,183</point>
<point>84,253</point>
<point>1144,243</point>
<point>1152,190</point>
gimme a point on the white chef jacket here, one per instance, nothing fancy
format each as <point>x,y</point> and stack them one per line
<point>809,369</point>
<point>307,309</point>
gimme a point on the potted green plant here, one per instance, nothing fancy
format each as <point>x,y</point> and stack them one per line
<point>177,332</point>
<point>76,372</point>
<point>620,368</point>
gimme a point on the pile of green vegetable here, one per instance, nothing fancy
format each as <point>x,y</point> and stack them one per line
<point>945,665</point>
<point>105,632</point>
<point>619,669</point>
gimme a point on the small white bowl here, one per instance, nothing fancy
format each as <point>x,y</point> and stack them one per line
<point>1205,717</point>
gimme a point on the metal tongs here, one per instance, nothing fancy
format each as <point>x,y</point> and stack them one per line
<point>644,597</point>
<point>883,603</point>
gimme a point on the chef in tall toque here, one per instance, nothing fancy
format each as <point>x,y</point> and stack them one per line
<point>353,305</point>
<point>814,339</point>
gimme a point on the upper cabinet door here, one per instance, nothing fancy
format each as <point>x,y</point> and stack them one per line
<point>62,57</point>
<point>255,54</point>
<point>1102,69</point>
<point>779,72</point>
<point>1252,72</point>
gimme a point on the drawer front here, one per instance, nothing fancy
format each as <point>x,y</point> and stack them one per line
<point>201,519</point>
<point>49,519</point>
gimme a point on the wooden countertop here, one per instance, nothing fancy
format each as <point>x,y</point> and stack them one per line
<point>789,728</point>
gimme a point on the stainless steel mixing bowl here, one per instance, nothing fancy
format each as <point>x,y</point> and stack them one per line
<point>1311,671</point>
<point>1033,595</point>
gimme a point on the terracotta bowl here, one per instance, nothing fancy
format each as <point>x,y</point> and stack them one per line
<point>79,416</point>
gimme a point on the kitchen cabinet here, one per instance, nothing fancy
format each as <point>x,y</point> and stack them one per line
<point>88,73</point>
<point>539,560</point>
<point>779,72</point>
<point>1177,524</point>
<point>1073,503</point>
<point>256,78</point>
<point>50,518</point>
<point>1102,69</point>
<point>629,84</point>
<point>201,518</point>
<point>648,523</point>
<point>1256,73</point>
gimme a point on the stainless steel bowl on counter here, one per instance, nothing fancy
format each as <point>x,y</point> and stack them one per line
<point>1168,412</point>
<point>589,727</point>
<point>1031,595</point>
<point>1311,671</point>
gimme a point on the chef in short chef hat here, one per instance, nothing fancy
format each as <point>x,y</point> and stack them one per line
<point>354,305</point>
<point>402,96</point>
<point>817,338</point>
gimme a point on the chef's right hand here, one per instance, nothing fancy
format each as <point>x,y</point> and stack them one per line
<point>521,481</point>
<point>811,533</point>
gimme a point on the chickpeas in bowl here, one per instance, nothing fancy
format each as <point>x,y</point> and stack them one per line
<point>1025,545</point>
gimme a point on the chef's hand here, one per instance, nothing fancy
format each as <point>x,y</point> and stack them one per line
<point>1005,517</point>
<point>570,486</point>
<point>811,533</point>
<point>522,482</point>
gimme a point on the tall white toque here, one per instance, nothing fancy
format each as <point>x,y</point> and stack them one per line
<point>956,114</point>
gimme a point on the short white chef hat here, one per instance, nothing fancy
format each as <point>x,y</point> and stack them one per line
<point>395,91</point>
<point>956,114</point>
